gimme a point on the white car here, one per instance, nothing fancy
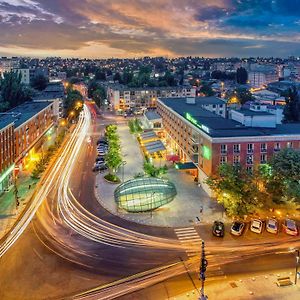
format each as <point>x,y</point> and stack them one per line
<point>237,228</point>
<point>256,226</point>
<point>272,226</point>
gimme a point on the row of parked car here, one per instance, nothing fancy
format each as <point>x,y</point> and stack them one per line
<point>272,226</point>
<point>102,149</point>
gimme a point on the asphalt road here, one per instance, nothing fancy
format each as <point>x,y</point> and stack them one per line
<point>52,261</point>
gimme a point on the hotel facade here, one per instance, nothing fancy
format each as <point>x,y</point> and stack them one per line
<point>203,139</point>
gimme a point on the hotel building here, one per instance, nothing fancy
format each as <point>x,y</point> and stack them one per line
<point>205,139</point>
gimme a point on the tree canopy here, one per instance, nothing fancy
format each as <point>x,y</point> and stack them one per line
<point>291,110</point>
<point>39,82</point>
<point>13,92</point>
<point>241,75</point>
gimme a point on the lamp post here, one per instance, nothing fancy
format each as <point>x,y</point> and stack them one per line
<point>203,266</point>
<point>297,264</point>
<point>124,162</point>
<point>151,208</point>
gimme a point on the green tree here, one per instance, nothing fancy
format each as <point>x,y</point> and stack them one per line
<point>100,74</point>
<point>291,110</point>
<point>117,77</point>
<point>207,90</point>
<point>13,92</point>
<point>236,190</point>
<point>92,87</point>
<point>127,76</point>
<point>39,82</point>
<point>99,96</point>
<point>241,75</point>
<point>241,95</point>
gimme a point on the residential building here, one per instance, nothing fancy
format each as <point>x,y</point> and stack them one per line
<point>206,139</point>
<point>25,75</point>
<point>20,130</point>
<point>123,98</point>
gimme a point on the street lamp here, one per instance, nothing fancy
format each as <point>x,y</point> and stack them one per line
<point>124,162</point>
<point>297,263</point>
<point>203,266</point>
<point>151,208</point>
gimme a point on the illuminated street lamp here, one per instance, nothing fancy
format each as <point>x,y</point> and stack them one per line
<point>203,266</point>
<point>297,264</point>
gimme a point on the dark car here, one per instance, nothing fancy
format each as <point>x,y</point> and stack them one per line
<point>102,140</point>
<point>99,167</point>
<point>100,159</point>
<point>218,229</point>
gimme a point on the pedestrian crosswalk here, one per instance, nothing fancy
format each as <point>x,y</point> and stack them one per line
<point>189,237</point>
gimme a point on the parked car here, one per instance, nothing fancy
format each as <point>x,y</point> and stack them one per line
<point>256,226</point>
<point>218,229</point>
<point>99,167</point>
<point>290,227</point>
<point>100,159</point>
<point>237,228</point>
<point>272,226</point>
<point>101,140</point>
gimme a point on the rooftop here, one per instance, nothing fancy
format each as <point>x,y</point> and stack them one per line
<point>217,126</point>
<point>152,115</point>
<point>22,113</point>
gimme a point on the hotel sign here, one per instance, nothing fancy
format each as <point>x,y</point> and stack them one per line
<point>196,123</point>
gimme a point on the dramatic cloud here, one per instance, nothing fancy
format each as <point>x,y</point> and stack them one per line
<point>105,28</point>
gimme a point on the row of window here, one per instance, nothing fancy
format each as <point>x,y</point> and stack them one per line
<point>249,159</point>
<point>250,147</point>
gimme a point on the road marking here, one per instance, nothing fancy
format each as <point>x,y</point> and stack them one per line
<point>188,236</point>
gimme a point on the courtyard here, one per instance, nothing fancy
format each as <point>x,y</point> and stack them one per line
<point>190,206</point>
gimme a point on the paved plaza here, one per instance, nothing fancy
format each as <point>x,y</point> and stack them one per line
<point>182,211</point>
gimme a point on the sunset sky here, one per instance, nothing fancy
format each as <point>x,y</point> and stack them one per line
<point>134,28</point>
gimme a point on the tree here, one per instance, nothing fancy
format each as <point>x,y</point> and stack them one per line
<point>71,101</point>
<point>13,92</point>
<point>291,110</point>
<point>207,90</point>
<point>39,82</point>
<point>100,75</point>
<point>92,87</point>
<point>240,95</point>
<point>241,75</point>
<point>127,76</point>
<point>117,77</point>
<point>99,96</point>
<point>236,190</point>
<point>285,179</point>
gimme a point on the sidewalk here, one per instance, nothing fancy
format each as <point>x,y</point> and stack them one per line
<point>8,211</point>
<point>182,211</point>
<point>256,287</point>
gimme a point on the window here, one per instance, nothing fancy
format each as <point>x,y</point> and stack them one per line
<point>236,148</point>
<point>249,169</point>
<point>223,149</point>
<point>263,158</point>
<point>236,160</point>
<point>250,148</point>
<point>223,160</point>
<point>263,147</point>
<point>276,146</point>
<point>289,144</point>
<point>249,159</point>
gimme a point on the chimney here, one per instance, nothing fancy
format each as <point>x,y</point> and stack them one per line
<point>190,100</point>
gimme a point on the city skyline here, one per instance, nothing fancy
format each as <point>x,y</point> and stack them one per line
<point>101,29</point>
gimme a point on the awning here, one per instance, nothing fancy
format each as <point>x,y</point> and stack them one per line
<point>155,146</point>
<point>186,166</point>
<point>173,157</point>
<point>148,135</point>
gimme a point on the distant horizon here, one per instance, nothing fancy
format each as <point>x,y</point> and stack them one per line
<point>151,57</point>
<point>123,29</point>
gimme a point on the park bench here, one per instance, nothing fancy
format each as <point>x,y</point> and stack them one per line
<point>284,281</point>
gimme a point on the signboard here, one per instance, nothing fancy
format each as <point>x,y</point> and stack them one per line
<point>189,117</point>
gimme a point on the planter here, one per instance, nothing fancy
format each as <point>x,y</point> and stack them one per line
<point>112,179</point>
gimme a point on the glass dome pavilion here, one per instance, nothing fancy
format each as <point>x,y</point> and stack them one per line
<point>144,194</point>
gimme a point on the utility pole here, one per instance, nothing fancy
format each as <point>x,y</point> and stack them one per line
<point>297,264</point>
<point>16,192</point>
<point>203,266</point>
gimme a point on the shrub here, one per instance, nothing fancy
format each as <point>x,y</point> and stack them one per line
<point>112,178</point>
